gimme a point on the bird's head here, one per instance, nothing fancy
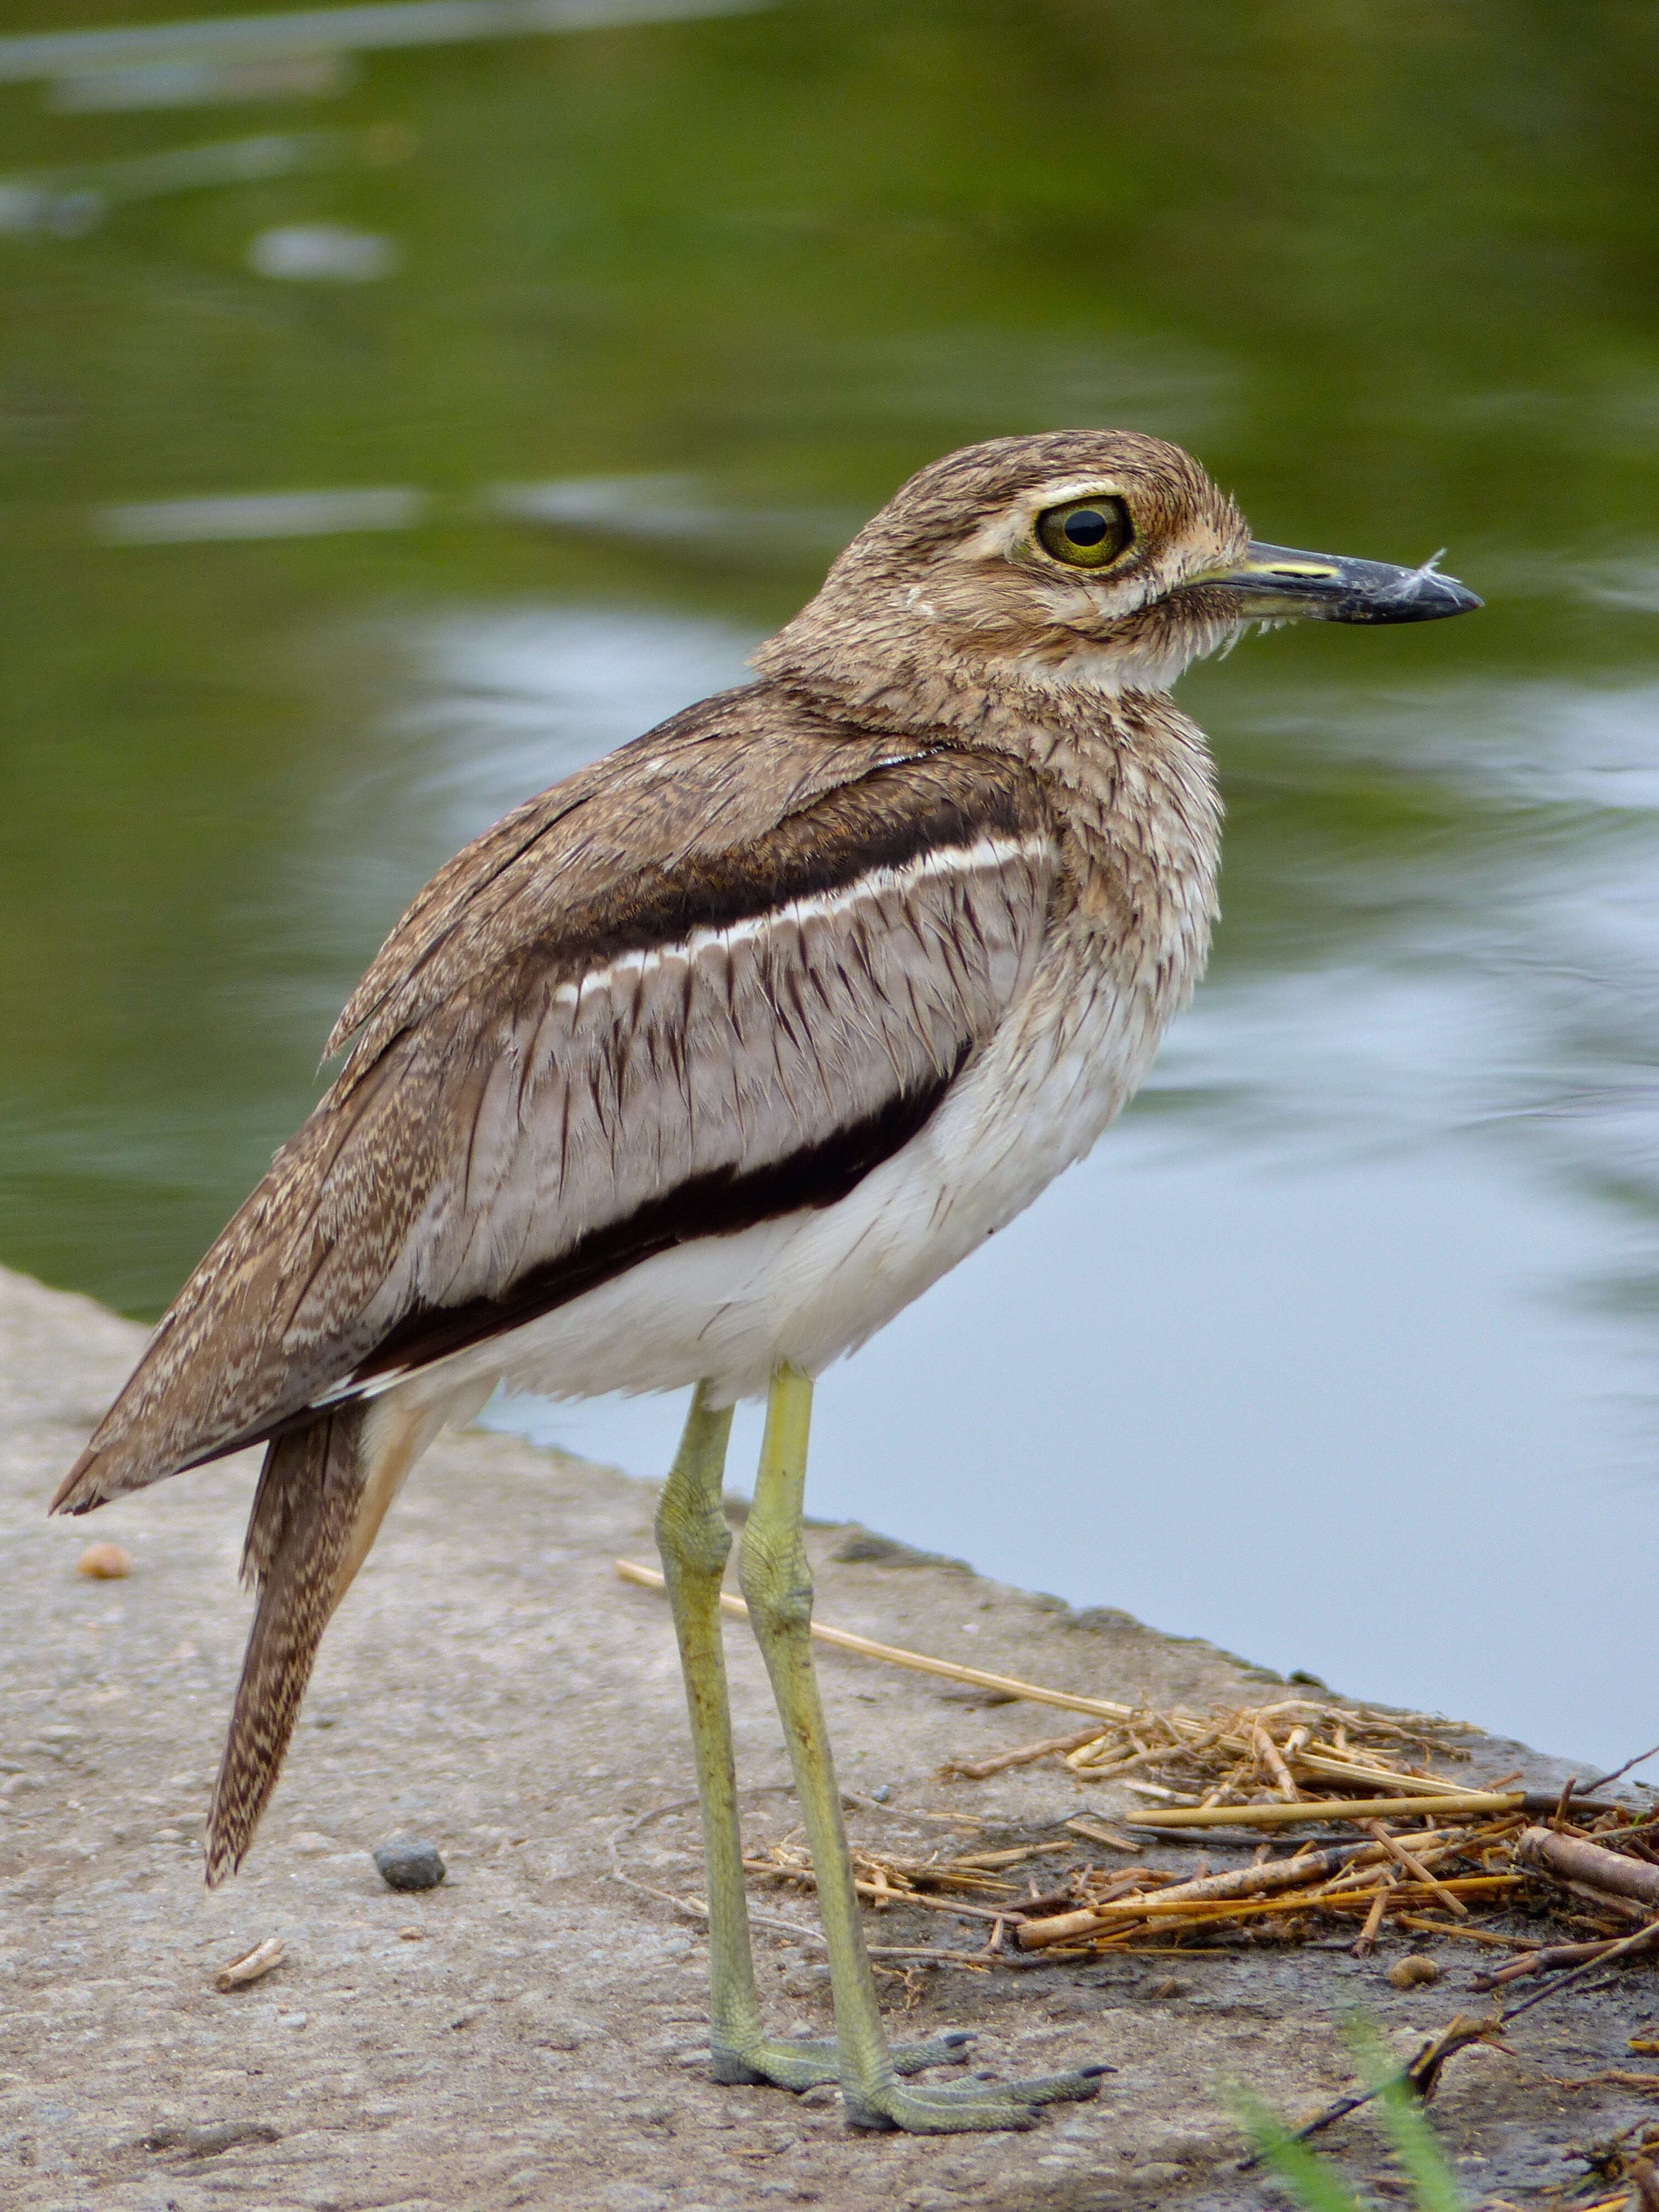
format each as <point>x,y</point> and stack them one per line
<point>1080,557</point>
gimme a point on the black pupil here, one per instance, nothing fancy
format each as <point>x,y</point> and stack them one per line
<point>1087,526</point>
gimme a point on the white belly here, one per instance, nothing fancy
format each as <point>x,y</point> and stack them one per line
<point>813,1285</point>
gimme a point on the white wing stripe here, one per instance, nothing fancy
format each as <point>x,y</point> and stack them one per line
<point>986,855</point>
<point>723,1055</point>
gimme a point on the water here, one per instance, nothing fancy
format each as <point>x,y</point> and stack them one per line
<point>315,556</point>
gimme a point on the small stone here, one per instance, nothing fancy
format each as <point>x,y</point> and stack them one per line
<point>1168,1987</point>
<point>208,2140</point>
<point>105,1563</point>
<point>311,1844</point>
<point>1156,2173</point>
<point>293,2020</point>
<point>411,1935</point>
<point>1412,1971</point>
<point>409,1862</point>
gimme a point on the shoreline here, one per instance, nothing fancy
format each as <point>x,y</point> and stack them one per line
<point>491,1683</point>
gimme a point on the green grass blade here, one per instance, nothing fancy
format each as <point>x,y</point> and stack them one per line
<point>1314,2184</point>
<point>1419,2151</point>
<point>1410,2132</point>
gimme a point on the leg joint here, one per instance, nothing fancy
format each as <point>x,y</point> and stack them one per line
<point>691,1531</point>
<point>777,1583</point>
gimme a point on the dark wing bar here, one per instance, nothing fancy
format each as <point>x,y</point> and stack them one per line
<point>720,1204</point>
<point>585,1096</point>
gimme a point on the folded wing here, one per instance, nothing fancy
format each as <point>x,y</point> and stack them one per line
<point>666,1000</point>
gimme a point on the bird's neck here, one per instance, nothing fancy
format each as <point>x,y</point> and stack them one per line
<point>1130,777</point>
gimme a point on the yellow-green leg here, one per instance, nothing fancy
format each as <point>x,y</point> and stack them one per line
<point>777,1585</point>
<point>694,1540</point>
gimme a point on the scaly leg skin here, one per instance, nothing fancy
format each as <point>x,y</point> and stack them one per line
<point>777,1585</point>
<point>694,1540</point>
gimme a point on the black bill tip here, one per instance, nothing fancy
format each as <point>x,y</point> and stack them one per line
<point>1278,584</point>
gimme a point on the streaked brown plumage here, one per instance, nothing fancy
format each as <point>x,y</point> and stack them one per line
<point>295,1295</point>
<point>698,1067</point>
<point>298,1537</point>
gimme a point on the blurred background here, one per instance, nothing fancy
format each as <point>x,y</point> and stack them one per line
<point>401,405</point>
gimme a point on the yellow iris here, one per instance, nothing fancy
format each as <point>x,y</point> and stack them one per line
<point>1089,534</point>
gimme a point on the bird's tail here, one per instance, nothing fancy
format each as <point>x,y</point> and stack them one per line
<point>299,1554</point>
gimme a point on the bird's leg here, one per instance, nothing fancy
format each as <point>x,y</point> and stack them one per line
<point>694,1540</point>
<point>777,1582</point>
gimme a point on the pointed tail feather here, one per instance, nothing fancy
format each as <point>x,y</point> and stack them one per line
<point>305,1511</point>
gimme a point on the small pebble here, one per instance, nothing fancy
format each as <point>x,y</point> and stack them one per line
<point>409,1862</point>
<point>411,1935</point>
<point>205,2141</point>
<point>1410,1972</point>
<point>293,2018</point>
<point>311,1844</point>
<point>105,1563</point>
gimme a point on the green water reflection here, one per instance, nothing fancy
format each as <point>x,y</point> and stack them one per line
<point>1391,271</point>
<point>1394,272</point>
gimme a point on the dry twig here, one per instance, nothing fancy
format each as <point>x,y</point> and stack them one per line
<point>843,1639</point>
<point>1277,1815</point>
<point>252,1965</point>
<point>1576,1862</point>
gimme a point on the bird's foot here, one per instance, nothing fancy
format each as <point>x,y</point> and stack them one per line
<point>959,2107</point>
<point>805,2063</point>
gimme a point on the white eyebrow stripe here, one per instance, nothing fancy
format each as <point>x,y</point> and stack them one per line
<point>985,855</point>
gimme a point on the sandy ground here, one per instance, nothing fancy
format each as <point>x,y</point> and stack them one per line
<point>531,2033</point>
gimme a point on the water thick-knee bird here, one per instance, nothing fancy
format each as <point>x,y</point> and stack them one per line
<point>696,1069</point>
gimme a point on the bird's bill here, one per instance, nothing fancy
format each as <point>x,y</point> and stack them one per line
<point>1275,584</point>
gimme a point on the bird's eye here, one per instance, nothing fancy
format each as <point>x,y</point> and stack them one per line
<point>1088,536</point>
